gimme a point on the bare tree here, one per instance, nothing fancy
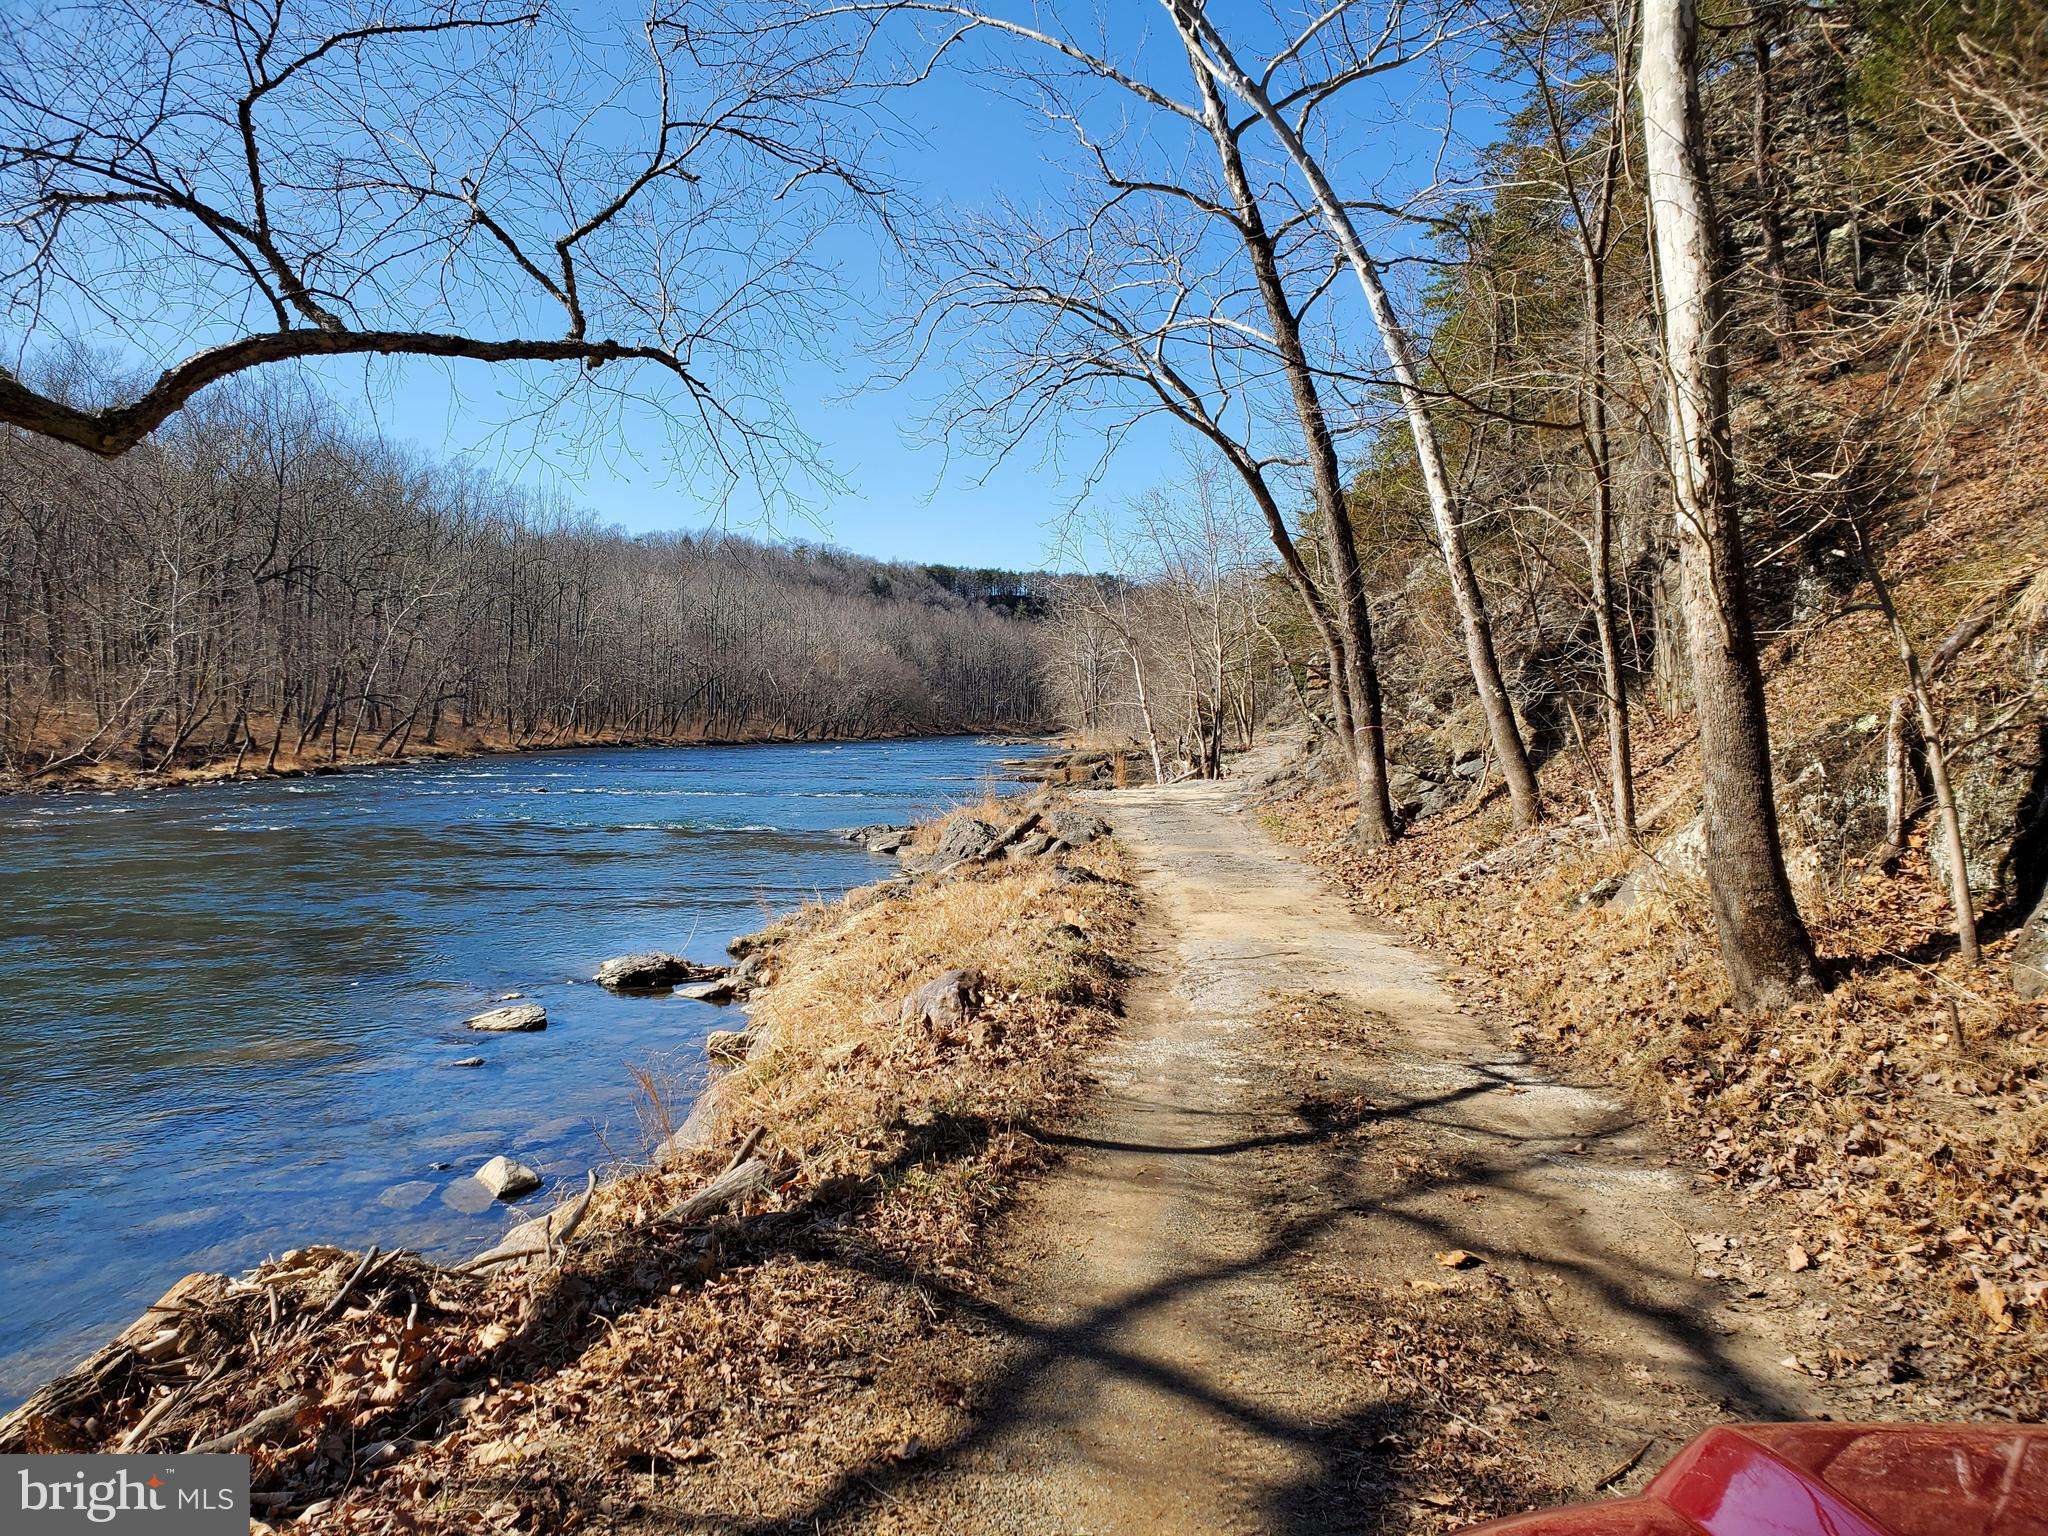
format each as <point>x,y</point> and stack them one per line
<point>1174,602</point>
<point>1395,42</point>
<point>1764,944</point>
<point>1360,682</point>
<point>249,182</point>
<point>1117,312</point>
<point>1589,179</point>
<point>1346,631</point>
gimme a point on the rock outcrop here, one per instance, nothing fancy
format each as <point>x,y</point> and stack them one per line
<point>2030,954</point>
<point>967,838</point>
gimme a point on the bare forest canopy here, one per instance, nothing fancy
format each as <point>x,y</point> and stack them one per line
<point>257,586</point>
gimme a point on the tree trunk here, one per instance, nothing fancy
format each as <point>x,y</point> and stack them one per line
<point>1764,944</point>
<point>1145,713</point>
<point>1770,217</point>
<point>1620,764</point>
<point>1360,683</point>
<point>1933,751</point>
<point>1899,789</point>
<point>1200,35</point>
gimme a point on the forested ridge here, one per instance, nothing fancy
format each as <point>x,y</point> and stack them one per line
<point>260,587</point>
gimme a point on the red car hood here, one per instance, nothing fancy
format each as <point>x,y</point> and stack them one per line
<point>1828,1480</point>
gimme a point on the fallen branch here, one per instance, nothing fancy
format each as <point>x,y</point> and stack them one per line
<point>1007,836</point>
<point>334,1302</point>
<point>169,1404</point>
<point>234,1439</point>
<point>747,1147</point>
<point>734,1184</point>
<point>1624,1469</point>
<point>540,1236</point>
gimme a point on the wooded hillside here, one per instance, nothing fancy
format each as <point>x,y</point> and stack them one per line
<point>1792,440</point>
<point>258,586</point>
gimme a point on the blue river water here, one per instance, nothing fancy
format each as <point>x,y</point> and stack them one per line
<point>228,1013</point>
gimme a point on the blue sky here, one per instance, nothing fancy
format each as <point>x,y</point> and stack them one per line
<point>903,498</point>
<point>953,141</point>
<point>958,142</point>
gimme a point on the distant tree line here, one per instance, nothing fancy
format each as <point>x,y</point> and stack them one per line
<point>260,584</point>
<point>1170,642</point>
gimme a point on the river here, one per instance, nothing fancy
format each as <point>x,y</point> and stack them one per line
<point>228,1013</point>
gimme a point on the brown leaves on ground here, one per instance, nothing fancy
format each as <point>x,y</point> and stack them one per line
<point>1464,1390</point>
<point>1904,1157</point>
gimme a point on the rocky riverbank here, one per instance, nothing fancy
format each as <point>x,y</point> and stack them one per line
<point>730,1320</point>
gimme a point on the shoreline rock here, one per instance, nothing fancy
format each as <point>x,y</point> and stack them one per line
<point>727,1046</point>
<point>718,991</point>
<point>654,971</point>
<point>881,837</point>
<point>505,1179</point>
<point>946,1002</point>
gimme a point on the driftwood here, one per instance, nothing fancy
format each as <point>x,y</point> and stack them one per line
<point>542,1235</point>
<point>168,1407</point>
<point>363,1267</point>
<point>155,1332</point>
<point>1009,835</point>
<point>734,1184</point>
<point>1003,839</point>
<point>747,1147</point>
<point>234,1439</point>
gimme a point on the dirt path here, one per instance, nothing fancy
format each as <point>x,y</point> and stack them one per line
<point>1231,1308</point>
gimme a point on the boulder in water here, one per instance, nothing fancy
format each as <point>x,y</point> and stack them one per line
<point>507,1180</point>
<point>880,838</point>
<point>518,1018</point>
<point>651,972</point>
<point>719,990</point>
